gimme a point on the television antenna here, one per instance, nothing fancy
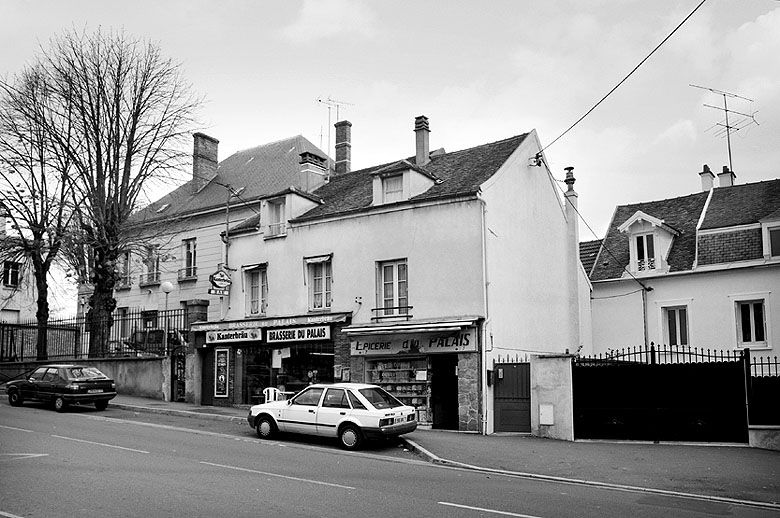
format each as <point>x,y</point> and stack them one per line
<point>727,128</point>
<point>332,103</point>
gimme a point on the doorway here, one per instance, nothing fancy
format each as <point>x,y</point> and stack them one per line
<point>444,391</point>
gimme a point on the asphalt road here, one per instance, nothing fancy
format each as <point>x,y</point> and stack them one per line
<point>116,463</point>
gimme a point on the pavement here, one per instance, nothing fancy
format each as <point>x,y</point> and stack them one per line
<point>733,474</point>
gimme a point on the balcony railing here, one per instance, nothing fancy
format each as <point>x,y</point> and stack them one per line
<point>645,264</point>
<point>392,313</point>
<point>276,229</point>
<point>124,283</point>
<point>188,273</point>
<point>149,279</point>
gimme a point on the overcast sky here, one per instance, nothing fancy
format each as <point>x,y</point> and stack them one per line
<point>481,71</point>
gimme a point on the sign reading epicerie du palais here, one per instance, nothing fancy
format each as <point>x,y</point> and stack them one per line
<point>424,343</point>
<point>297,334</point>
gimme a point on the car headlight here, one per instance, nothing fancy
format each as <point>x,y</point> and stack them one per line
<point>73,386</point>
<point>113,385</point>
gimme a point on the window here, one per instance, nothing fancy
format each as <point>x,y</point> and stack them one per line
<point>751,323</point>
<point>393,296</point>
<point>124,271</point>
<point>257,291</point>
<point>152,264</point>
<point>645,252</point>
<point>189,256</point>
<point>676,325</point>
<point>356,404</point>
<point>335,398</point>
<point>11,274</point>
<point>38,374</point>
<point>774,242</point>
<point>51,375</point>
<point>276,220</point>
<point>392,188</point>
<point>320,282</point>
<point>309,397</point>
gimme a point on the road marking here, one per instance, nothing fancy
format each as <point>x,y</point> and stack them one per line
<point>18,456</point>
<point>99,444</point>
<point>484,510</point>
<point>277,475</point>
<point>17,429</point>
<point>9,515</point>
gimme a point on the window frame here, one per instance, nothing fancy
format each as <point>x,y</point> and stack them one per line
<point>262,287</point>
<point>397,194</point>
<point>770,231</point>
<point>396,308</point>
<point>11,273</point>
<point>189,256</point>
<point>736,302</point>
<point>646,261</point>
<point>277,222</point>
<point>682,337</point>
<point>325,291</point>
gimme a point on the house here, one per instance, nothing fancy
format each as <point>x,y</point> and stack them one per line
<point>416,274</point>
<point>701,270</point>
<point>17,285</point>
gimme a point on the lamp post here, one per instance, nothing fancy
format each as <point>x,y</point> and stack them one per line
<point>167,288</point>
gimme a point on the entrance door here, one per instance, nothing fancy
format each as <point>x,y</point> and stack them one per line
<point>512,397</point>
<point>207,380</point>
<point>444,391</point>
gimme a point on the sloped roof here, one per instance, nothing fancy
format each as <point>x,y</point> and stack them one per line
<point>459,172</point>
<point>261,170</point>
<point>742,204</point>
<point>588,252</point>
<point>681,213</point>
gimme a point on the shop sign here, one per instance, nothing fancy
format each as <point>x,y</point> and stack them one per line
<point>234,335</point>
<point>307,320</point>
<point>420,343</point>
<point>297,334</point>
<point>219,291</point>
<point>221,370</point>
<point>220,279</point>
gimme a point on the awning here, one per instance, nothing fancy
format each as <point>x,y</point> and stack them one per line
<point>411,327</point>
<point>255,266</point>
<point>318,259</point>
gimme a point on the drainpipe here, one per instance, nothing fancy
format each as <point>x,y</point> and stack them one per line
<point>485,305</point>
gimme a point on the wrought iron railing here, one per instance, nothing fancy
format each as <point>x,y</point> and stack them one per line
<point>276,229</point>
<point>149,279</point>
<point>188,273</point>
<point>392,313</point>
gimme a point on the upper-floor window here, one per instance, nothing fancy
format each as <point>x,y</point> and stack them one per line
<point>676,325</point>
<point>189,258</point>
<point>645,252</point>
<point>256,291</point>
<point>123,271</point>
<point>774,242</point>
<point>320,282</point>
<point>392,283</point>
<point>11,273</point>
<point>276,220</point>
<point>152,265</point>
<point>751,323</point>
<point>392,188</point>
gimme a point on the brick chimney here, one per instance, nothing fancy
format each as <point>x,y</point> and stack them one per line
<point>343,147</point>
<point>707,178</point>
<point>726,178</point>
<point>313,171</point>
<point>204,160</point>
<point>421,133</point>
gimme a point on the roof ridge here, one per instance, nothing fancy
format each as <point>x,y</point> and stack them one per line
<point>270,144</point>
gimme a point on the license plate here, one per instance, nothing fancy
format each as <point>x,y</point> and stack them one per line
<point>94,391</point>
<point>399,419</point>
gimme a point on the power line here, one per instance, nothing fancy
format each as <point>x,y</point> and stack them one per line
<point>625,78</point>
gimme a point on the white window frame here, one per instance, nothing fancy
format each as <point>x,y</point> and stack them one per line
<point>646,263</point>
<point>277,222</point>
<point>736,301</point>
<point>766,230</point>
<point>320,269</point>
<point>189,256</point>
<point>11,274</point>
<point>662,308</point>
<point>390,196</point>
<point>679,339</point>
<point>383,284</point>
<point>262,290</point>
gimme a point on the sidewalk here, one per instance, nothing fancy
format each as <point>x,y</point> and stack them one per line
<point>731,472</point>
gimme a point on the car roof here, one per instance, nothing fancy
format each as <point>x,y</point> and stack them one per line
<point>345,384</point>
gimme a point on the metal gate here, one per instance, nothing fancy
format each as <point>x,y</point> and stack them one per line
<point>512,397</point>
<point>178,372</point>
<point>661,395</point>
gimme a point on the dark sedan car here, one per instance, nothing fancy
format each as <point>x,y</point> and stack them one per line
<point>62,385</point>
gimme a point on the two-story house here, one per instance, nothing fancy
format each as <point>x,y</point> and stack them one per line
<point>413,274</point>
<point>701,270</point>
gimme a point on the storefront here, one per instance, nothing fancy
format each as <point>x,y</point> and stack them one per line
<point>433,366</point>
<point>242,358</point>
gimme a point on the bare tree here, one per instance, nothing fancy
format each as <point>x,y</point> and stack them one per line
<point>35,192</point>
<point>122,118</point>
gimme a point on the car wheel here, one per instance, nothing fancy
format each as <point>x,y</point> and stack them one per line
<point>350,437</point>
<point>15,399</point>
<point>60,405</point>
<point>101,405</point>
<point>266,428</point>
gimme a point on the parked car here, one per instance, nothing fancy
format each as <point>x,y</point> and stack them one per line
<point>63,385</point>
<point>352,412</point>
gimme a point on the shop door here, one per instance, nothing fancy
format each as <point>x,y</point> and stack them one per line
<point>444,391</point>
<point>207,378</point>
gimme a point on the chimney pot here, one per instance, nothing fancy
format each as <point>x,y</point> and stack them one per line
<point>726,178</point>
<point>205,155</point>
<point>343,147</point>
<point>312,171</point>
<point>422,148</point>
<point>707,178</point>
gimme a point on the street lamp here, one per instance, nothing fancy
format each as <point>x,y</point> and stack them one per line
<point>167,288</point>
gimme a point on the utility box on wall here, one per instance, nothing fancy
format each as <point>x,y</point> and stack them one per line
<point>546,415</point>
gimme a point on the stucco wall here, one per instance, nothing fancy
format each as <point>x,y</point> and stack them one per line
<point>551,387</point>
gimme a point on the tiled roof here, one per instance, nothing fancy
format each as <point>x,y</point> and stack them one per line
<point>588,252</point>
<point>742,204</point>
<point>459,172</point>
<point>680,213</point>
<point>261,170</point>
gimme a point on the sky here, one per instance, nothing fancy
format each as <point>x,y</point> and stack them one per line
<point>480,71</point>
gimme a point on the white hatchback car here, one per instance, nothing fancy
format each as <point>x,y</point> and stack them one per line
<point>350,411</point>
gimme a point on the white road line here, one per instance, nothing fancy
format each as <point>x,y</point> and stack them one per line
<point>99,444</point>
<point>17,456</point>
<point>484,510</point>
<point>9,515</point>
<point>18,430</point>
<point>276,475</point>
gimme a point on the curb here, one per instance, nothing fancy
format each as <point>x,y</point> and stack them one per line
<point>435,459</point>
<point>181,413</point>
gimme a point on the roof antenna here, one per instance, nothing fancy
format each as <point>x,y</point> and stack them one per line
<point>332,103</point>
<point>725,127</point>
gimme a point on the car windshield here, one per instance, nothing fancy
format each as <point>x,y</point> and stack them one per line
<point>379,398</point>
<point>79,373</point>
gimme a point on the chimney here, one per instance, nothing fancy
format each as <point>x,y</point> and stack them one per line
<point>572,259</point>
<point>204,161</point>
<point>707,178</point>
<point>343,146</point>
<point>313,171</point>
<point>421,132</point>
<point>726,178</point>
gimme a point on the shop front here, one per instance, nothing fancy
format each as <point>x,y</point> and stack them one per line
<point>242,358</point>
<point>434,367</point>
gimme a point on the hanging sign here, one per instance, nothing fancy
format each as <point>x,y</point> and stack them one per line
<point>220,279</point>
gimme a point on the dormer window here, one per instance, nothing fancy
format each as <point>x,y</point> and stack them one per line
<point>401,181</point>
<point>392,188</point>
<point>650,240</point>
<point>645,252</point>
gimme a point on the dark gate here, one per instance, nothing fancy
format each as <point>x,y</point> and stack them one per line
<point>178,372</point>
<point>661,395</point>
<point>512,397</point>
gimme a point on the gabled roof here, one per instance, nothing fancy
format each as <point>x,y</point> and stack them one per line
<point>458,173</point>
<point>262,170</point>
<point>682,214</point>
<point>742,204</point>
<point>588,252</point>
<point>641,216</point>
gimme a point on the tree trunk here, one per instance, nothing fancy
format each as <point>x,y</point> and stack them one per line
<point>42,316</point>
<point>102,302</point>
